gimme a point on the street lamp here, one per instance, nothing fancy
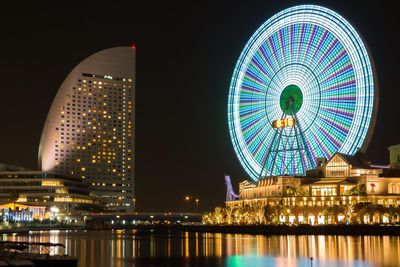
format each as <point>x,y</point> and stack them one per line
<point>188,205</point>
<point>54,210</point>
<point>197,205</point>
<point>187,200</point>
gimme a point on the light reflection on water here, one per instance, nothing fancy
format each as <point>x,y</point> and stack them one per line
<point>131,248</point>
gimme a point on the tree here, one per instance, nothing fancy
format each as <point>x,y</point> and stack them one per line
<point>269,213</point>
<point>348,211</point>
<point>296,192</point>
<point>330,214</point>
<point>218,215</point>
<point>358,191</point>
<point>370,210</point>
<point>228,215</point>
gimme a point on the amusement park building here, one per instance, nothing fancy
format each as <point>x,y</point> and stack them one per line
<point>336,186</point>
<point>302,108</point>
<point>89,131</point>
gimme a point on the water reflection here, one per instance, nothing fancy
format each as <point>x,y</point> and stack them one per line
<point>122,248</point>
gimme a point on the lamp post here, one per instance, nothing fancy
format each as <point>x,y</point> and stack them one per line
<point>188,205</point>
<point>187,200</point>
<point>197,205</point>
<point>54,210</point>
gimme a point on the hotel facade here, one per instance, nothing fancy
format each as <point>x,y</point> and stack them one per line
<point>89,131</point>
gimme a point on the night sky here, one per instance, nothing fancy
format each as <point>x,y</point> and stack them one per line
<point>186,54</point>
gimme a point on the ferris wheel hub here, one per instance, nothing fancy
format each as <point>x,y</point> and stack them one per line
<point>291,99</point>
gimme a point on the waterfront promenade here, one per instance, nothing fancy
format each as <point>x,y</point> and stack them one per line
<point>352,229</point>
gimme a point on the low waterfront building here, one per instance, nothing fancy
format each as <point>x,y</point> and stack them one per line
<point>345,189</point>
<point>15,212</point>
<point>394,156</point>
<point>38,188</point>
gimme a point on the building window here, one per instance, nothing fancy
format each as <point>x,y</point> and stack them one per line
<point>337,167</point>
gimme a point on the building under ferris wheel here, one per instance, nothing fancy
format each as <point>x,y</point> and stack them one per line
<point>301,111</point>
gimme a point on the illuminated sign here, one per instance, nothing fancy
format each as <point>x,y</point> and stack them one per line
<point>288,122</point>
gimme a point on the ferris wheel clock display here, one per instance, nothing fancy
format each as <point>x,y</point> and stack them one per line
<point>303,88</point>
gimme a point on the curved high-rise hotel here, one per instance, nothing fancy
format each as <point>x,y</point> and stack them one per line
<point>89,131</point>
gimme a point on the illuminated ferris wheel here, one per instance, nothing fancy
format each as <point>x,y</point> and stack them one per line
<point>303,88</point>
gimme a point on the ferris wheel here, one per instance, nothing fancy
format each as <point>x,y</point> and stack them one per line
<point>303,88</point>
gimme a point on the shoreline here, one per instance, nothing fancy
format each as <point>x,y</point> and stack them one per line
<point>268,229</point>
<point>27,229</point>
<point>300,229</point>
<point>304,229</point>
<point>353,229</point>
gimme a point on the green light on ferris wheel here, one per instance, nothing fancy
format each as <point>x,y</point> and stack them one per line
<point>291,99</point>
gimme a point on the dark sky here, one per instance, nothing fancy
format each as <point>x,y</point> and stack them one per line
<point>185,58</point>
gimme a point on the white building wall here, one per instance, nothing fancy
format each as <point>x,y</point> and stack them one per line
<point>89,131</point>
